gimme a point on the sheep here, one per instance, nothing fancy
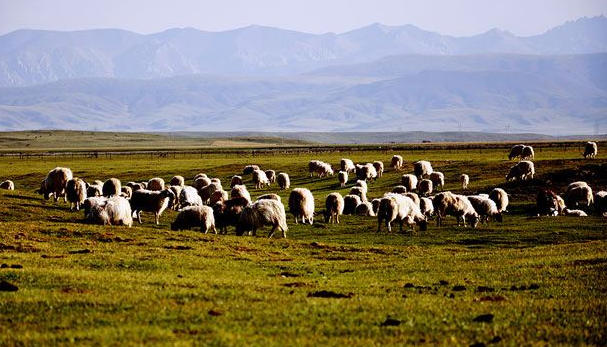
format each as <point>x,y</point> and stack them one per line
<point>92,201</point>
<point>590,150</point>
<point>364,209</point>
<point>115,211</point>
<point>438,179</point>
<point>75,191</point>
<point>523,170</point>
<point>8,185</point>
<point>547,203</point>
<point>133,185</point>
<point>465,180</point>
<point>218,195</point>
<point>126,192</point>
<point>516,151</point>
<point>111,187</point>
<point>98,183</point>
<point>401,209</point>
<point>366,172</point>
<point>574,213</point>
<point>560,203</point>
<point>334,207</point>
<point>485,207</point>
<point>409,181</point>
<point>195,216</point>
<point>156,183</point>
<point>249,169</point>
<point>500,197</point>
<point>317,167</point>
<point>313,166</point>
<point>216,180</point>
<point>283,180</point>
<point>178,181</point>
<point>271,174</point>
<point>201,182</point>
<point>188,196</point>
<point>426,207</point>
<point>208,190</point>
<point>360,192</point>
<point>269,196</point>
<point>227,212</point>
<point>94,190</point>
<point>261,213</point>
<point>375,205</point>
<point>54,183</point>
<point>416,199</point>
<point>379,167</point>
<point>397,162</point>
<point>422,169</point>
<point>174,203</point>
<point>240,190</point>
<point>150,201</point>
<point>350,203</point>
<point>200,175</point>
<point>260,179</point>
<point>527,153</point>
<point>301,204</point>
<point>347,165</point>
<point>342,177</point>
<point>578,196</point>
<point>424,187</point>
<point>600,202</point>
<point>236,180</point>
<point>575,185</point>
<point>447,203</point>
<point>399,190</point>
<point>372,171</point>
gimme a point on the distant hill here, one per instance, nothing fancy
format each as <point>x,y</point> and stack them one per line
<point>30,57</point>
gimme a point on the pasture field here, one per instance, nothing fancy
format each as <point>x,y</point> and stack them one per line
<point>543,280</point>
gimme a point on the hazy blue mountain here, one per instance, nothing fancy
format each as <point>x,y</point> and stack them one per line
<point>29,57</point>
<point>561,94</point>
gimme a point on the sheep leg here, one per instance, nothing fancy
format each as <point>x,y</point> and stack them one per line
<point>157,217</point>
<point>214,229</point>
<point>272,231</point>
<point>388,226</point>
<point>139,216</point>
<point>254,232</point>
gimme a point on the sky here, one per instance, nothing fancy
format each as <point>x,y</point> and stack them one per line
<point>450,17</point>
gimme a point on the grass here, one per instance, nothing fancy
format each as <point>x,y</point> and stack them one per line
<point>543,279</point>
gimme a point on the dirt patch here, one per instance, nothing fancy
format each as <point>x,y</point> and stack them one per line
<point>329,294</point>
<point>8,287</point>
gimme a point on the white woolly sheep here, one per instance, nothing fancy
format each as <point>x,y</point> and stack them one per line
<point>574,213</point>
<point>283,180</point>
<point>195,216</point>
<point>366,172</point>
<point>590,150</point>
<point>447,203</point>
<point>235,180</point>
<point>260,179</point>
<point>156,183</point>
<point>401,209</point>
<point>319,168</point>
<point>379,167</point>
<point>201,182</point>
<point>115,211</point>
<point>55,182</point>
<point>516,151</point>
<point>523,170</point>
<point>438,180</point>
<point>228,212</point>
<point>422,169</point>
<point>360,192</point>
<point>240,190</point>
<point>218,195</point>
<point>174,203</point>
<point>364,209</point>
<point>262,213</point>
<point>334,207</point>
<point>577,196</point>
<point>249,169</point>
<point>126,192</point>
<point>409,181</point>
<point>150,201</point>
<point>342,177</point>
<point>111,187</point>
<point>575,185</point>
<point>301,205</point>
<point>347,165</point>
<point>399,190</point>
<point>178,180</point>
<point>8,185</point>
<point>350,203</point>
<point>189,197</point>
<point>208,190</point>
<point>527,153</point>
<point>500,197</point>
<point>271,174</point>
<point>200,175</point>
<point>600,202</point>
<point>485,207</point>
<point>134,186</point>
<point>92,201</point>
<point>269,196</point>
<point>216,180</point>
<point>464,180</point>
<point>397,162</point>
<point>425,187</point>
<point>416,199</point>
<point>75,191</point>
<point>375,204</point>
<point>426,207</point>
<point>363,185</point>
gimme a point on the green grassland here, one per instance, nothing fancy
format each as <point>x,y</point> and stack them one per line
<point>543,279</point>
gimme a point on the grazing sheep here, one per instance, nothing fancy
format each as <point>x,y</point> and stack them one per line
<point>216,180</point>
<point>527,153</point>
<point>409,181</point>
<point>590,150</point>
<point>397,162</point>
<point>485,207</point>
<point>270,196</point>
<point>547,203</point>
<point>426,207</point>
<point>401,209</point>
<point>144,185</point>
<point>134,186</point>
<point>516,151</point>
<point>200,175</point>
<point>447,203</point>
<point>271,174</point>
<point>424,187</point>
<point>575,185</point>
<point>523,170</point>
<point>375,204</point>
<point>228,212</point>
<point>342,177</point>
<point>174,203</point>
<point>126,192</point>
<point>178,181</point>
<point>364,209</point>
<point>92,201</point>
<point>261,213</point>
<point>201,182</point>
<point>500,197</point>
<point>363,185</point>
<point>366,172</point>
<point>150,201</point>
<point>574,213</point>
<point>379,167</point>
<point>249,169</point>
<point>465,180</point>
<point>156,183</point>
<point>416,199</point>
<point>600,202</point>
<point>350,203</point>
<point>438,179</point>
<point>283,180</point>
<point>577,196</point>
<point>75,191</point>
<point>218,195</point>
<point>208,190</point>
<point>319,168</point>
<point>360,192</point>
<point>347,165</point>
<point>301,204</point>
<point>334,207</point>
<point>236,180</point>
<point>8,185</point>
<point>399,190</point>
<point>260,179</point>
<point>188,196</point>
<point>195,216</point>
<point>422,169</point>
<point>94,190</point>
<point>240,190</point>
<point>114,211</point>
<point>55,182</point>
<point>111,187</point>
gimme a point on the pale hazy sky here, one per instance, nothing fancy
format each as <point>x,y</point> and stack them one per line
<point>452,17</point>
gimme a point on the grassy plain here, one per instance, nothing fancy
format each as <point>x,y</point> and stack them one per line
<point>544,280</point>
